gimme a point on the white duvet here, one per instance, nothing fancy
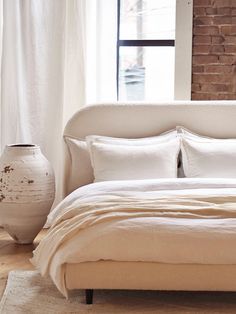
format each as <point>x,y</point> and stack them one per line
<point>165,220</point>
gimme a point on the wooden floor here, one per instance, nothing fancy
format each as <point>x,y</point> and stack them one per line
<point>14,256</point>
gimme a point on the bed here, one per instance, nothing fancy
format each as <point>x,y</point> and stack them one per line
<point>210,265</point>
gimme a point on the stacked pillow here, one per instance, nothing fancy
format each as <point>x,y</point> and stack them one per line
<point>205,157</point>
<point>131,159</point>
<point>80,171</point>
<point>108,161</point>
<point>102,158</point>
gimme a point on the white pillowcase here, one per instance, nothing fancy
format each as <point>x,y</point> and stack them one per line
<point>204,156</point>
<point>81,171</point>
<point>209,158</point>
<point>185,133</point>
<point>133,142</point>
<point>133,162</point>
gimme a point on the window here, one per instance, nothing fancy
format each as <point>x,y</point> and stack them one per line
<point>146,49</point>
<point>144,71</point>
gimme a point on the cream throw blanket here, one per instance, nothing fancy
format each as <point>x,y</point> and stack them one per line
<point>68,238</point>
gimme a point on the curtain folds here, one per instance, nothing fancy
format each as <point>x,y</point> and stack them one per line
<point>42,75</point>
<point>57,56</point>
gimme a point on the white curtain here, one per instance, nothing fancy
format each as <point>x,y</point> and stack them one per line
<point>57,56</point>
<point>101,17</point>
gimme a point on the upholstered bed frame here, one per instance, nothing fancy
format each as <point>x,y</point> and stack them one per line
<point>133,120</point>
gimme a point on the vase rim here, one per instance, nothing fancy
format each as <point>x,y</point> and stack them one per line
<point>22,145</point>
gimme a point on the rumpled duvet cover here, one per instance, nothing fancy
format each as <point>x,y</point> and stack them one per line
<point>165,220</point>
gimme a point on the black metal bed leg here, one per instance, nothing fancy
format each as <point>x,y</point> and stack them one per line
<point>89,296</point>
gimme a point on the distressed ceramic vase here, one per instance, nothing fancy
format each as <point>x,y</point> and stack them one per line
<point>27,191</point>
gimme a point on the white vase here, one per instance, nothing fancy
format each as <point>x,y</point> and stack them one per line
<point>27,191</point>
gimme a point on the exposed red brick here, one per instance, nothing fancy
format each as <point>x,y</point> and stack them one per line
<point>202,39</point>
<point>217,39</point>
<point>212,78</point>
<point>230,40</point>
<point>223,3</point>
<point>225,59</point>
<point>213,96</point>
<point>199,11</point>
<point>203,96</point>
<point>230,49</point>
<point>210,11</point>
<point>201,49</point>
<point>223,11</point>
<point>226,96</point>
<point>205,59</point>
<point>198,68</point>
<point>217,49</point>
<point>216,88</point>
<point>196,87</point>
<point>217,69</point>
<point>203,3</point>
<point>203,20</point>
<point>228,30</point>
<point>222,20</point>
<point>214,50</point>
<point>206,30</point>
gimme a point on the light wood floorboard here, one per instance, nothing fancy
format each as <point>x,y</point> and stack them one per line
<point>14,256</point>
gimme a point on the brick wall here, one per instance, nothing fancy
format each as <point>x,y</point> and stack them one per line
<point>214,50</point>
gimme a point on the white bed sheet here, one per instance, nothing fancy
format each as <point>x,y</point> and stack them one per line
<point>175,186</point>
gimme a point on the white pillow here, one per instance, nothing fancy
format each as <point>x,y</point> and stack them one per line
<point>209,159</point>
<point>185,133</point>
<point>81,171</point>
<point>129,162</point>
<point>128,141</point>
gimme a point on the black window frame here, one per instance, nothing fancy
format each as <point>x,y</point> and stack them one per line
<point>134,43</point>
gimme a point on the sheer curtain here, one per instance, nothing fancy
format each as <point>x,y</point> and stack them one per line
<point>57,56</point>
<point>101,50</point>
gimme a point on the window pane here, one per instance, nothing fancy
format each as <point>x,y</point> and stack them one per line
<point>147,19</point>
<point>146,73</point>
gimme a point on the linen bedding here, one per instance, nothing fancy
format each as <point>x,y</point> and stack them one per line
<point>162,220</point>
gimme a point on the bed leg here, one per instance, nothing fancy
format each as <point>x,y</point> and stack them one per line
<point>89,296</point>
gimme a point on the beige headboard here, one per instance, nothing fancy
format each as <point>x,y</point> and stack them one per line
<point>133,120</point>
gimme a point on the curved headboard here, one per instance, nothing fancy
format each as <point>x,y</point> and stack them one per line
<point>133,120</point>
